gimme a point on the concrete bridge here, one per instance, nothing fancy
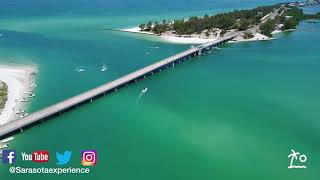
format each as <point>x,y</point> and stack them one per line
<point>87,97</point>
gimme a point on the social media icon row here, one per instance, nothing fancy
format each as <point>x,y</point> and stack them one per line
<point>88,157</point>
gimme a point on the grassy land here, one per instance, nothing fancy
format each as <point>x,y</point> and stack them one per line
<point>3,94</point>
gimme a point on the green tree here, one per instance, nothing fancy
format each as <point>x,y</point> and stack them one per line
<point>149,26</point>
<point>280,19</point>
<point>268,27</point>
<point>248,35</point>
<point>142,27</point>
<point>207,33</point>
<point>290,23</point>
<point>243,24</point>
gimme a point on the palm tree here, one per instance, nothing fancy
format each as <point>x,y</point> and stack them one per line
<point>293,156</point>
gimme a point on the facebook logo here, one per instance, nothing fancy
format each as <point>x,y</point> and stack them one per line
<point>8,156</point>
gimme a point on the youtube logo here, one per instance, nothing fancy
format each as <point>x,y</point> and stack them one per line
<point>40,156</point>
<point>36,156</point>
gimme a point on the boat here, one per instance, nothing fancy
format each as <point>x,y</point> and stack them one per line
<point>32,95</point>
<point>24,100</point>
<point>24,115</point>
<point>7,139</point>
<point>147,53</point>
<point>34,85</point>
<point>3,146</point>
<point>80,70</point>
<point>216,48</point>
<point>144,90</point>
<point>28,92</point>
<point>104,68</point>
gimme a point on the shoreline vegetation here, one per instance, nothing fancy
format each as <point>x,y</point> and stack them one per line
<point>247,25</point>
<point>3,95</point>
<point>16,88</point>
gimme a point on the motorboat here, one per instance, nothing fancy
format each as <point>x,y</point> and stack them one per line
<point>7,139</point>
<point>104,68</point>
<point>144,90</point>
<point>80,70</point>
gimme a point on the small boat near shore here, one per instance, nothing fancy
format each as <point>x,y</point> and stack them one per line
<point>3,146</point>
<point>24,100</point>
<point>7,139</point>
<point>24,115</point>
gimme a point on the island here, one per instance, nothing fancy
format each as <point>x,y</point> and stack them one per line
<point>254,24</point>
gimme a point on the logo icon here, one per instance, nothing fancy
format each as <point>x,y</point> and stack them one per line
<point>297,156</point>
<point>64,158</point>
<point>8,156</point>
<point>40,156</point>
<point>89,157</point>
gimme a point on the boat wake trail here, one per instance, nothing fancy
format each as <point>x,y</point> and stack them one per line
<point>143,91</point>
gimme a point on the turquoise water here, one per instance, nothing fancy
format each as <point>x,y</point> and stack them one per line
<point>234,114</point>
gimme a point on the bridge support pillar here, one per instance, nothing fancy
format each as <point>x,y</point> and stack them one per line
<point>199,53</point>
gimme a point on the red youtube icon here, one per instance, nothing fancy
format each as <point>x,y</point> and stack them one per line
<point>40,156</point>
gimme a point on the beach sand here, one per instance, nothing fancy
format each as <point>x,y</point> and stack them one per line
<point>19,80</point>
<point>257,37</point>
<point>194,40</point>
<point>186,40</point>
<point>171,39</point>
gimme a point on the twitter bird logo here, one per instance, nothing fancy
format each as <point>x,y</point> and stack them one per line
<point>64,158</point>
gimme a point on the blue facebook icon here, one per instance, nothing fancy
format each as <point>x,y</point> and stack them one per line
<point>8,156</point>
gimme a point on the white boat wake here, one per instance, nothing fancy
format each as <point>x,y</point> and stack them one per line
<point>143,91</point>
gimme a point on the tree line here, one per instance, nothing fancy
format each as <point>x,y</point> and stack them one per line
<point>238,19</point>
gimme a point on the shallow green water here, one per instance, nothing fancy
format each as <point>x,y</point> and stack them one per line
<point>234,114</point>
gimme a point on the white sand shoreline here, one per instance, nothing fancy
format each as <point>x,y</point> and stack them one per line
<point>19,80</point>
<point>169,38</point>
<point>194,40</point>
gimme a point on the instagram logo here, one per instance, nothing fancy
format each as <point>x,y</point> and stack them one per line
<point>89,157</point>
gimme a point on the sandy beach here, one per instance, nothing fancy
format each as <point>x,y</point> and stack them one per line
<point>19,79</point>
<point>171,38</point>
<point>256,37</point>
<point>194,40</point>
<point>135,30</point>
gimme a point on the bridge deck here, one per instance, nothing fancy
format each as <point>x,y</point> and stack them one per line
<point>71,102</point>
